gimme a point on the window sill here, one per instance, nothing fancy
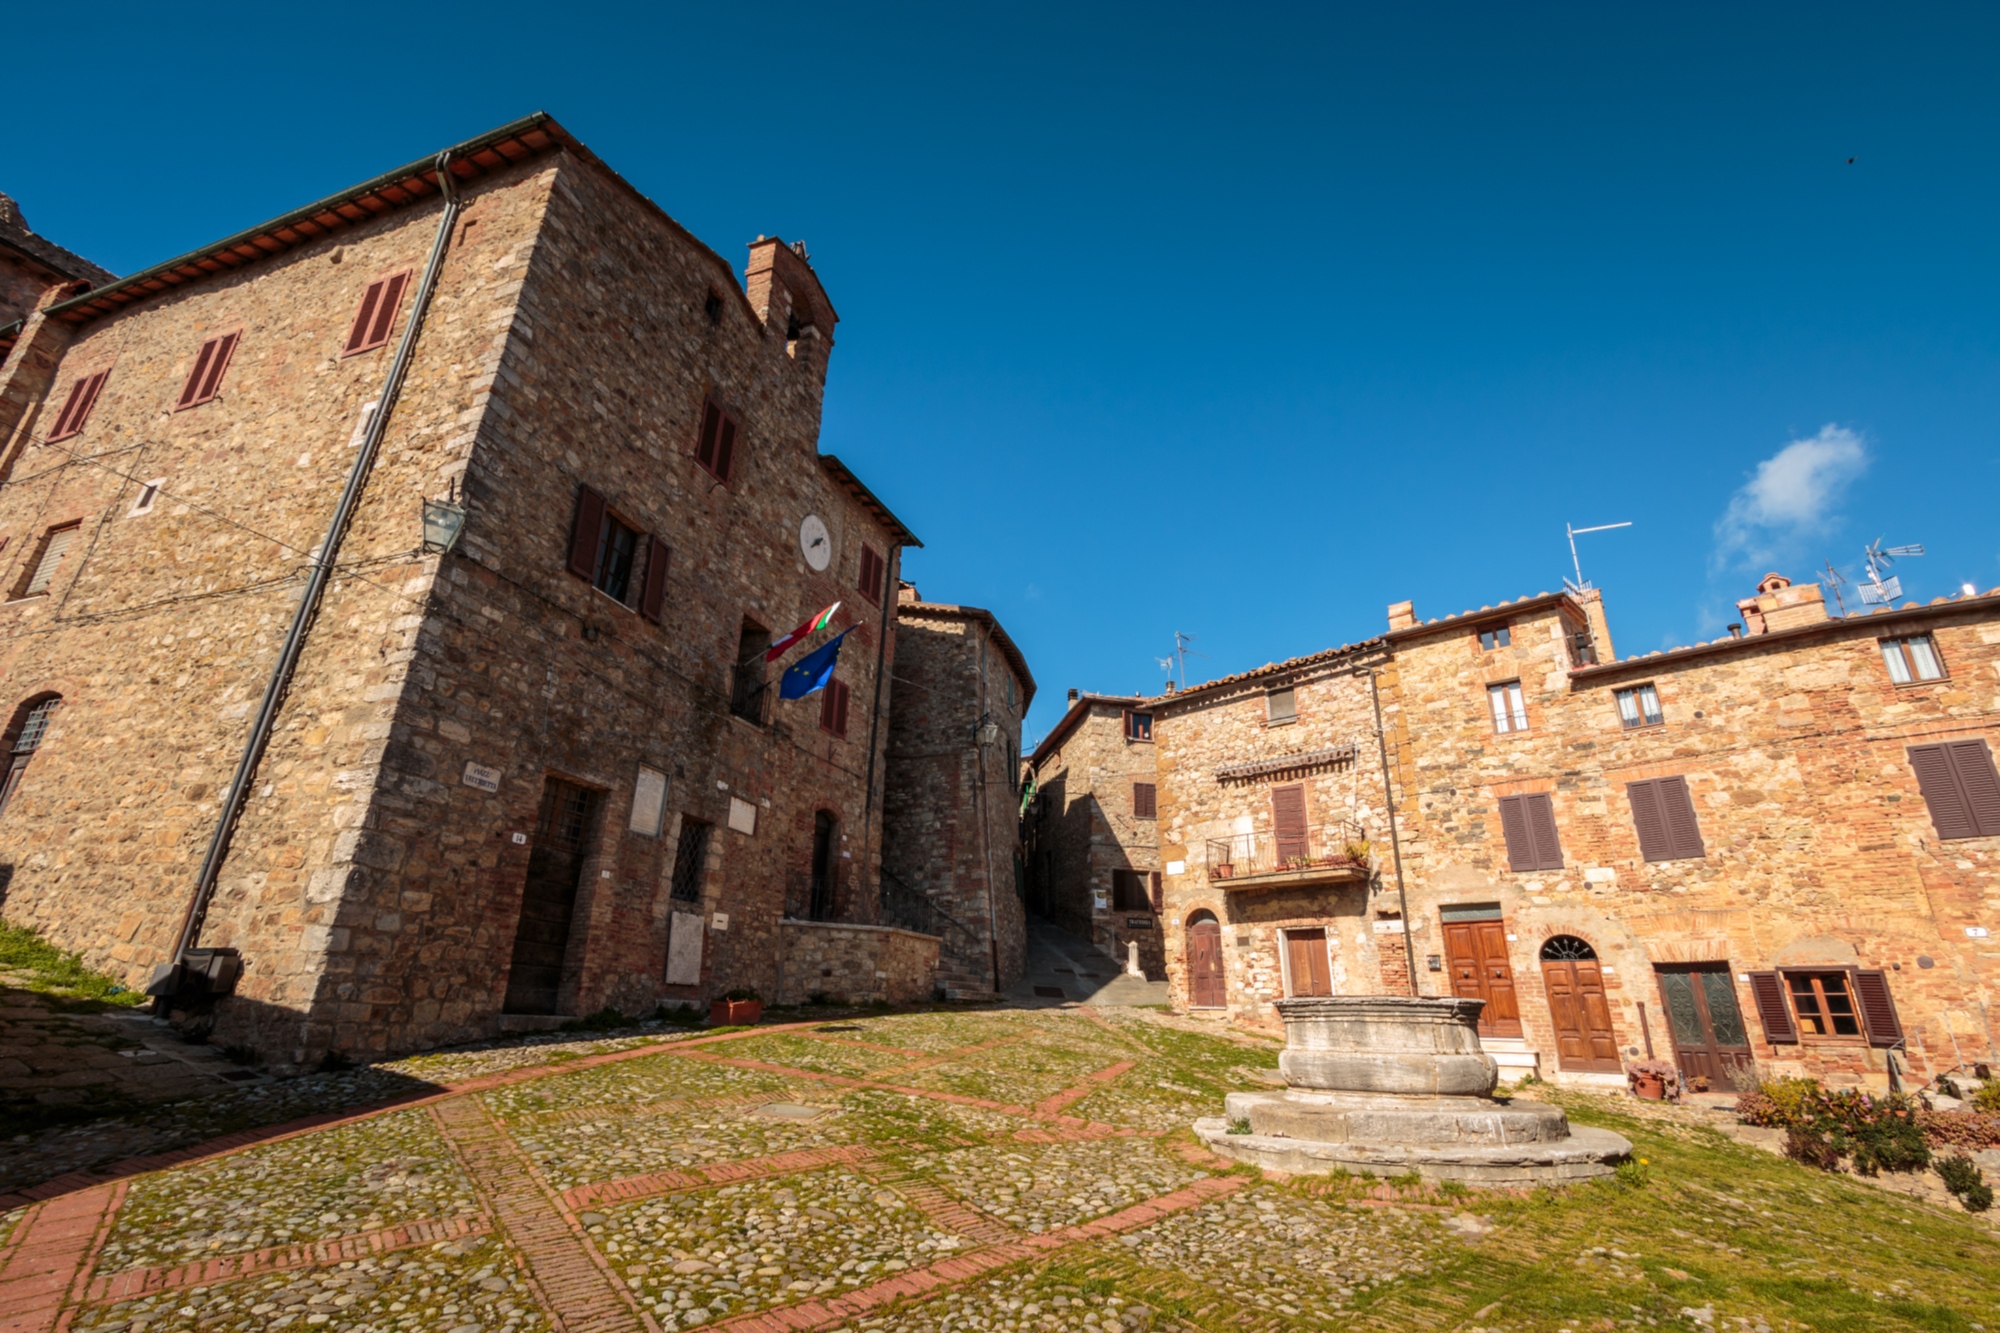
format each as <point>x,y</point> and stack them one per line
<point>1919,684</point>
<point>21,601</point>
<point>1644,726</point>
<point>1280,722</point>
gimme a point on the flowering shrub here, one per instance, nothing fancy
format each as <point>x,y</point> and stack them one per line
<point>1823,1126</point>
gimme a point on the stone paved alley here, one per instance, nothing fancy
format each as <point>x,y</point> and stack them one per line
<point>1024,1169</point>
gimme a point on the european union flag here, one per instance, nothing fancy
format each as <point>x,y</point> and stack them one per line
<point>812,671</point>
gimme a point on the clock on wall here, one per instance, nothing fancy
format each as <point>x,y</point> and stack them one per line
<point>814,543</point>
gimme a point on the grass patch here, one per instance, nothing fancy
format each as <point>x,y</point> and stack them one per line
<point>47,970</point>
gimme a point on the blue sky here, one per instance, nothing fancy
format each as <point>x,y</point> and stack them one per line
<point>1245,321</point>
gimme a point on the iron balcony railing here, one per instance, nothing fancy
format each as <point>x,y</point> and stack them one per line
<point>1328,852</point>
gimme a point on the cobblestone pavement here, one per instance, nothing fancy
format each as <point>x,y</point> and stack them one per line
<point>1018,1171</point>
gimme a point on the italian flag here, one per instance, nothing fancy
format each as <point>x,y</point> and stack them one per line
<point>813,626</point>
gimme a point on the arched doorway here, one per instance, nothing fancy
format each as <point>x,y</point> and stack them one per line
<point>1204,962</point>
<point>1575,987</point>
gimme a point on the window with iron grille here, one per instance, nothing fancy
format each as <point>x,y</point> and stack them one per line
<point>690,858</point>
<point>28,731</point>
<point>1639,707</point>
<point>715,447</point>
<point>55,545</point>
<point>76,408</point>
<point>1509,712</point>
<point>1494,636</point>
<point>377,314</point>
<point>204,382</point>
<point>1913,659</point>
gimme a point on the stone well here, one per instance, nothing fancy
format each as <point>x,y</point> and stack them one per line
<point>1386,1085</point>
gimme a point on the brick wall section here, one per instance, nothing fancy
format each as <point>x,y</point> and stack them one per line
<point>951,827</point>
<point>374,893</point>
<point>1083,827</point>
<point>854,964</point>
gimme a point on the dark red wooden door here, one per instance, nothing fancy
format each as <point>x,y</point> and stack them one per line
<point>1204,952</point>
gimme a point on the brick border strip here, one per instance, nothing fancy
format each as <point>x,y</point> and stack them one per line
<point>1092,1083</point>
<point>830,1312</point>
<point>112,1288</point>
<point>721,1173</point>
<point>575,1114</point>
<point>50,1254</point>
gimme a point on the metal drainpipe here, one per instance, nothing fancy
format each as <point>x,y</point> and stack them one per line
<point>1395,843</point>
<point>322,572</point>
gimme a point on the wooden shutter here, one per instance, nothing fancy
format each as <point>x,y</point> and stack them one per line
<point>1683,831</point>
<point>1159,897</point>
<point>840,717</point>
<point>377,314</point>
<point>1288,820</point>
<point>1144,796</point>
<point>1541,813</point>
<point>653,597</point>
<point>711,426</point>
<point>871,574</point>
<point>209,365</point>
<point>1655,844</point>
<point>1520,842</point>
<point>584,537</point>
<point>1878,1009</point>
<point>833,709</point>
<point>76,409</point>
<point>1976,777</point>
<point>1768,990</point>
<point>1938,781</point>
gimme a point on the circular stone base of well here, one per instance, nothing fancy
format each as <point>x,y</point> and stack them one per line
<point>1587,1154</point>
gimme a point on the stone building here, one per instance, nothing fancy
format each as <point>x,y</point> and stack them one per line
<point>951,830</point>
<point>1091,826</point>
<point>537,774</point>
<point>1775,849</point>
<point>34,270</point>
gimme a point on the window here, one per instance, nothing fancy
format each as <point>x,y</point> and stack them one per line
<point>1138,726</point>
<point>210,364</point>
<point>1509,712</point>
<point>1009,679</point>
<point>1912,659</point>
<point>1529,823</point>
<point>1823,1005</point>
<point>1145,800</point>
<point>377,314</point>
<point>55,545</point>
<point>76,408</point>
<point>1281,706</point>
<point>872,569</point>
<point>1960,787</point>
<point>716,448</point>
<point>1128,892</point>
<point>1639,707</point>
<point>690,858</point>
<point>147,494</point>
<point>1827,1004</point>
<point>608,553</point>
<point>833,709</point>
<point>27,737</point>
<point>746,695</point>
<point>712,307</point>
<point>1494,636</point>
<point>1663,812</point>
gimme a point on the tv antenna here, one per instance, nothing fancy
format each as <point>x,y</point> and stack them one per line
<point>1836,581</point>
<point>1581,585</point>
<point>1181,654</point>
<point>1880,591</point>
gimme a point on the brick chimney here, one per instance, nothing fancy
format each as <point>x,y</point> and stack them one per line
<point>1781,604</point>
<point>785,293</point>
<point>1402,615</point>
<point>906,591</point>
<point>1600,627</point>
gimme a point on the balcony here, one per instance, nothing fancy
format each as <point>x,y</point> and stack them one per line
<point>1254,862</point>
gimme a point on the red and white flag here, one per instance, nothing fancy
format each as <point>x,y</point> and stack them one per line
<point>818,622</point>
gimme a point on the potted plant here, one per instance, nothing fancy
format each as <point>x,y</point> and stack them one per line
<point>737,1008</point>
<point>1223,870</point>
<point>1650,1079</point>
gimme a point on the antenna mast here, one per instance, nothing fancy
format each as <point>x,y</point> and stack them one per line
<point>1580,585</point>
<point>1182,652</point>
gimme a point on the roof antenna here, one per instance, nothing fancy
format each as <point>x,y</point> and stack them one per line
<point>1879,591</point>
<point>1836,581</point>
<point>1582,585</point>
<point>1182,653</point>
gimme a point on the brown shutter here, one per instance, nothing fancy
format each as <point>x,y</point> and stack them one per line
<point>1159,898</point>
<point>212,382</point>
<point>840,712</point>
<point>1520,842</point>
<point>711,426</point>
<point>1649,820</point>
<point>1143,795</point>
<point>1768,990</point>
<point>189,391</point>
<point>585,535</point>
<point>1973,763</point>
<point>69,411</point>
<point>725,448</point>
<point>1878,1010</point>
<point>826,706</point>
<point>357,336</point>
<point>1541,814</point>
<point>385,312</point>
<point>653,598</point>
<point>1288,820</point>
<point>1683,832</point>
<point>1938,780</point>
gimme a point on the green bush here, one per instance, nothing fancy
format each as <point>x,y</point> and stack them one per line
<point>1963,1178</point>
<point>1988,1097</point>
<point>1883,1133</point>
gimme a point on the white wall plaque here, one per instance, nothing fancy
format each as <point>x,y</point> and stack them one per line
<point>520,839</point>
<point>1976,932</point>
<point>684,950</point>
<point>742,815</point>
<point>721,922</point>
<point>1177,867</point>
<point>482,777</point>
<point>1391,926</point>
<point>649,801</point>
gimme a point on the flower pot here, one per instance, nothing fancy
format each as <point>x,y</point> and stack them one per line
<point>1225,870</point>
<point>1650,1087</point>
<point>735,1013</point>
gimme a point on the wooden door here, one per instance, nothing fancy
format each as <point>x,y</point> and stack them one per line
<point>1477,951</point>
<point>1204,955</point>
<point>1305,956</point>
<point>1582,1015</point>
<point>1288,822</point>
<point>1710,1041</point>
<point>563,832</point>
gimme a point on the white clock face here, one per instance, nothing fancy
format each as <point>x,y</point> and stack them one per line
<point>814,543</point>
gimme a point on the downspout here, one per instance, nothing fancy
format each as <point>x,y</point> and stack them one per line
<point>1395,843</point>
<point>875,722</point>
<point>322,573</point>
<point>985,834</point>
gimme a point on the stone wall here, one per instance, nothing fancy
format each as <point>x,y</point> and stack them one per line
<point>854,964</point>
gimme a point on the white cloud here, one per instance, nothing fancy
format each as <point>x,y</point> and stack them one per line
<point>1791,496</point>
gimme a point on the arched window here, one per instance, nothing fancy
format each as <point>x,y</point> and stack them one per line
<point>23,737</point>
<point>1567,948</point>
<point>1199,917</point>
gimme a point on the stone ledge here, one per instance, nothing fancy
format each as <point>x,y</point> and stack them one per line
<point>1588,1154</point>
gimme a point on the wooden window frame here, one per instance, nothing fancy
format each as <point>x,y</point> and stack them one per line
<point>1131,726</point>
<point>360,338</point>
<point>1659,718</point>
<point>204,381</point>
<point>1790,976</point>
<point>75,414</point>
<point>723,445</point>
<point>1901,644</point>
<point>833,709</point>
<point>590,538</point>
<point>1502,635</point>
<point>1145,800</point>
<point>1519,701</point>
